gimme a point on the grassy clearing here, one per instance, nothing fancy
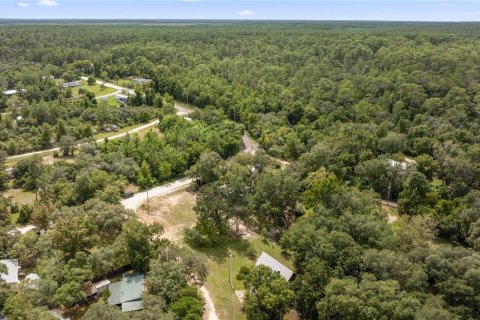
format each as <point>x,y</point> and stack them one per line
<point>111,102</point>
<point>98,90</point>
<point>392,213</point>
<point>20,196</point>
<point>126,83</point>
<point>175,212</point>
<point>220,265</point>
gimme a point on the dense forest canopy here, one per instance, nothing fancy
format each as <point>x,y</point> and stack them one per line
<point>347,114</point>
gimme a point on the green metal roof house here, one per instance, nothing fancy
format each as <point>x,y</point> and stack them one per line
<point>127,293</point>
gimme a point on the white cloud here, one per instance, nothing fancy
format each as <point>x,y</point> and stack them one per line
<point>47,3</point>
<point>245,13</point>
<point>473,13</point>
<point>23,4</point>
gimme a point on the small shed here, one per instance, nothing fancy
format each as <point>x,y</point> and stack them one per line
<point>71,84</point>
<point>11,277</point>
<point>93,290</point>
<point>127,293</point>
<point>121,98</point>
<point>267,260</point>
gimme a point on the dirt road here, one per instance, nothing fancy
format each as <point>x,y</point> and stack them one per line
<point>139,198</point>
<point>210,313</point>
<point>181,111</point>
<point>119,135</point>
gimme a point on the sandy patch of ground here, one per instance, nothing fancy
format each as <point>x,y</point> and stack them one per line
<point>240,295</point>
<point>173,211</point>
<point>210,313</point>
<point>391,218</point>
<point>391,209</point>
<point>48,160</point>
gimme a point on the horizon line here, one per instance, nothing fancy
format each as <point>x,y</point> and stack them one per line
<point>236,20</point>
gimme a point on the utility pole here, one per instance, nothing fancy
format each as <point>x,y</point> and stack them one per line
<point>230,281</point>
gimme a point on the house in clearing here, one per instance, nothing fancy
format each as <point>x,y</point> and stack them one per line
<point>141,81</point>
<point>121,98</point>
<point>71,84</point>
<point>127,293</point>
<point>11,277</point>
<point>267,260</point>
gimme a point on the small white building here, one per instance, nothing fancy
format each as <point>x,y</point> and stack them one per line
<point>71,84</point>
<point>121,98</point>
<point>11,277</point>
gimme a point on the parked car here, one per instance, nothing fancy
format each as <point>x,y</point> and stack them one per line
<point>128,194</point>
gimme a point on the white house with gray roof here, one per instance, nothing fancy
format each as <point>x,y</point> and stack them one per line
<point>266,260</point>
<point>127,293</point>
<point>11,277</point>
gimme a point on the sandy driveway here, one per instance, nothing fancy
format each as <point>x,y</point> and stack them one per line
<point>210,313</point>
<point>163,190</point>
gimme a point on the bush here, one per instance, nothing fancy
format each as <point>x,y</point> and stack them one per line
<point>25,213</point>
<point>243,273</point>
<point>195,238</point>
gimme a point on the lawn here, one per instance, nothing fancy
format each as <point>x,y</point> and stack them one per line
<point>111,101</point>
<point>126,83</point>
<point>219,265</point>
<point>97,89</point>
<point>20,196</point>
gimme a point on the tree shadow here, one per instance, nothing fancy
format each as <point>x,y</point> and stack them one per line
<point>220,249</point>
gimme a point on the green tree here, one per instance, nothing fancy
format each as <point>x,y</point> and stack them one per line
<point>416,197</point>
<point>166,279</point>
<point>138,243</point>
<point>67,145</point>
<point>268,296</point>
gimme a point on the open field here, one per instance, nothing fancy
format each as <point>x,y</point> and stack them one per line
<point>20,196</point>
<point>174,212</point>
<point>97,89</point>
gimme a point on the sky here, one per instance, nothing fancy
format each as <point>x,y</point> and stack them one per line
<point>383,10</point>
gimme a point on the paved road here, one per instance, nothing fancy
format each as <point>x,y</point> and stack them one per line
<point>119,135</point>
<point>139,198</point>
<point>181,111</point>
